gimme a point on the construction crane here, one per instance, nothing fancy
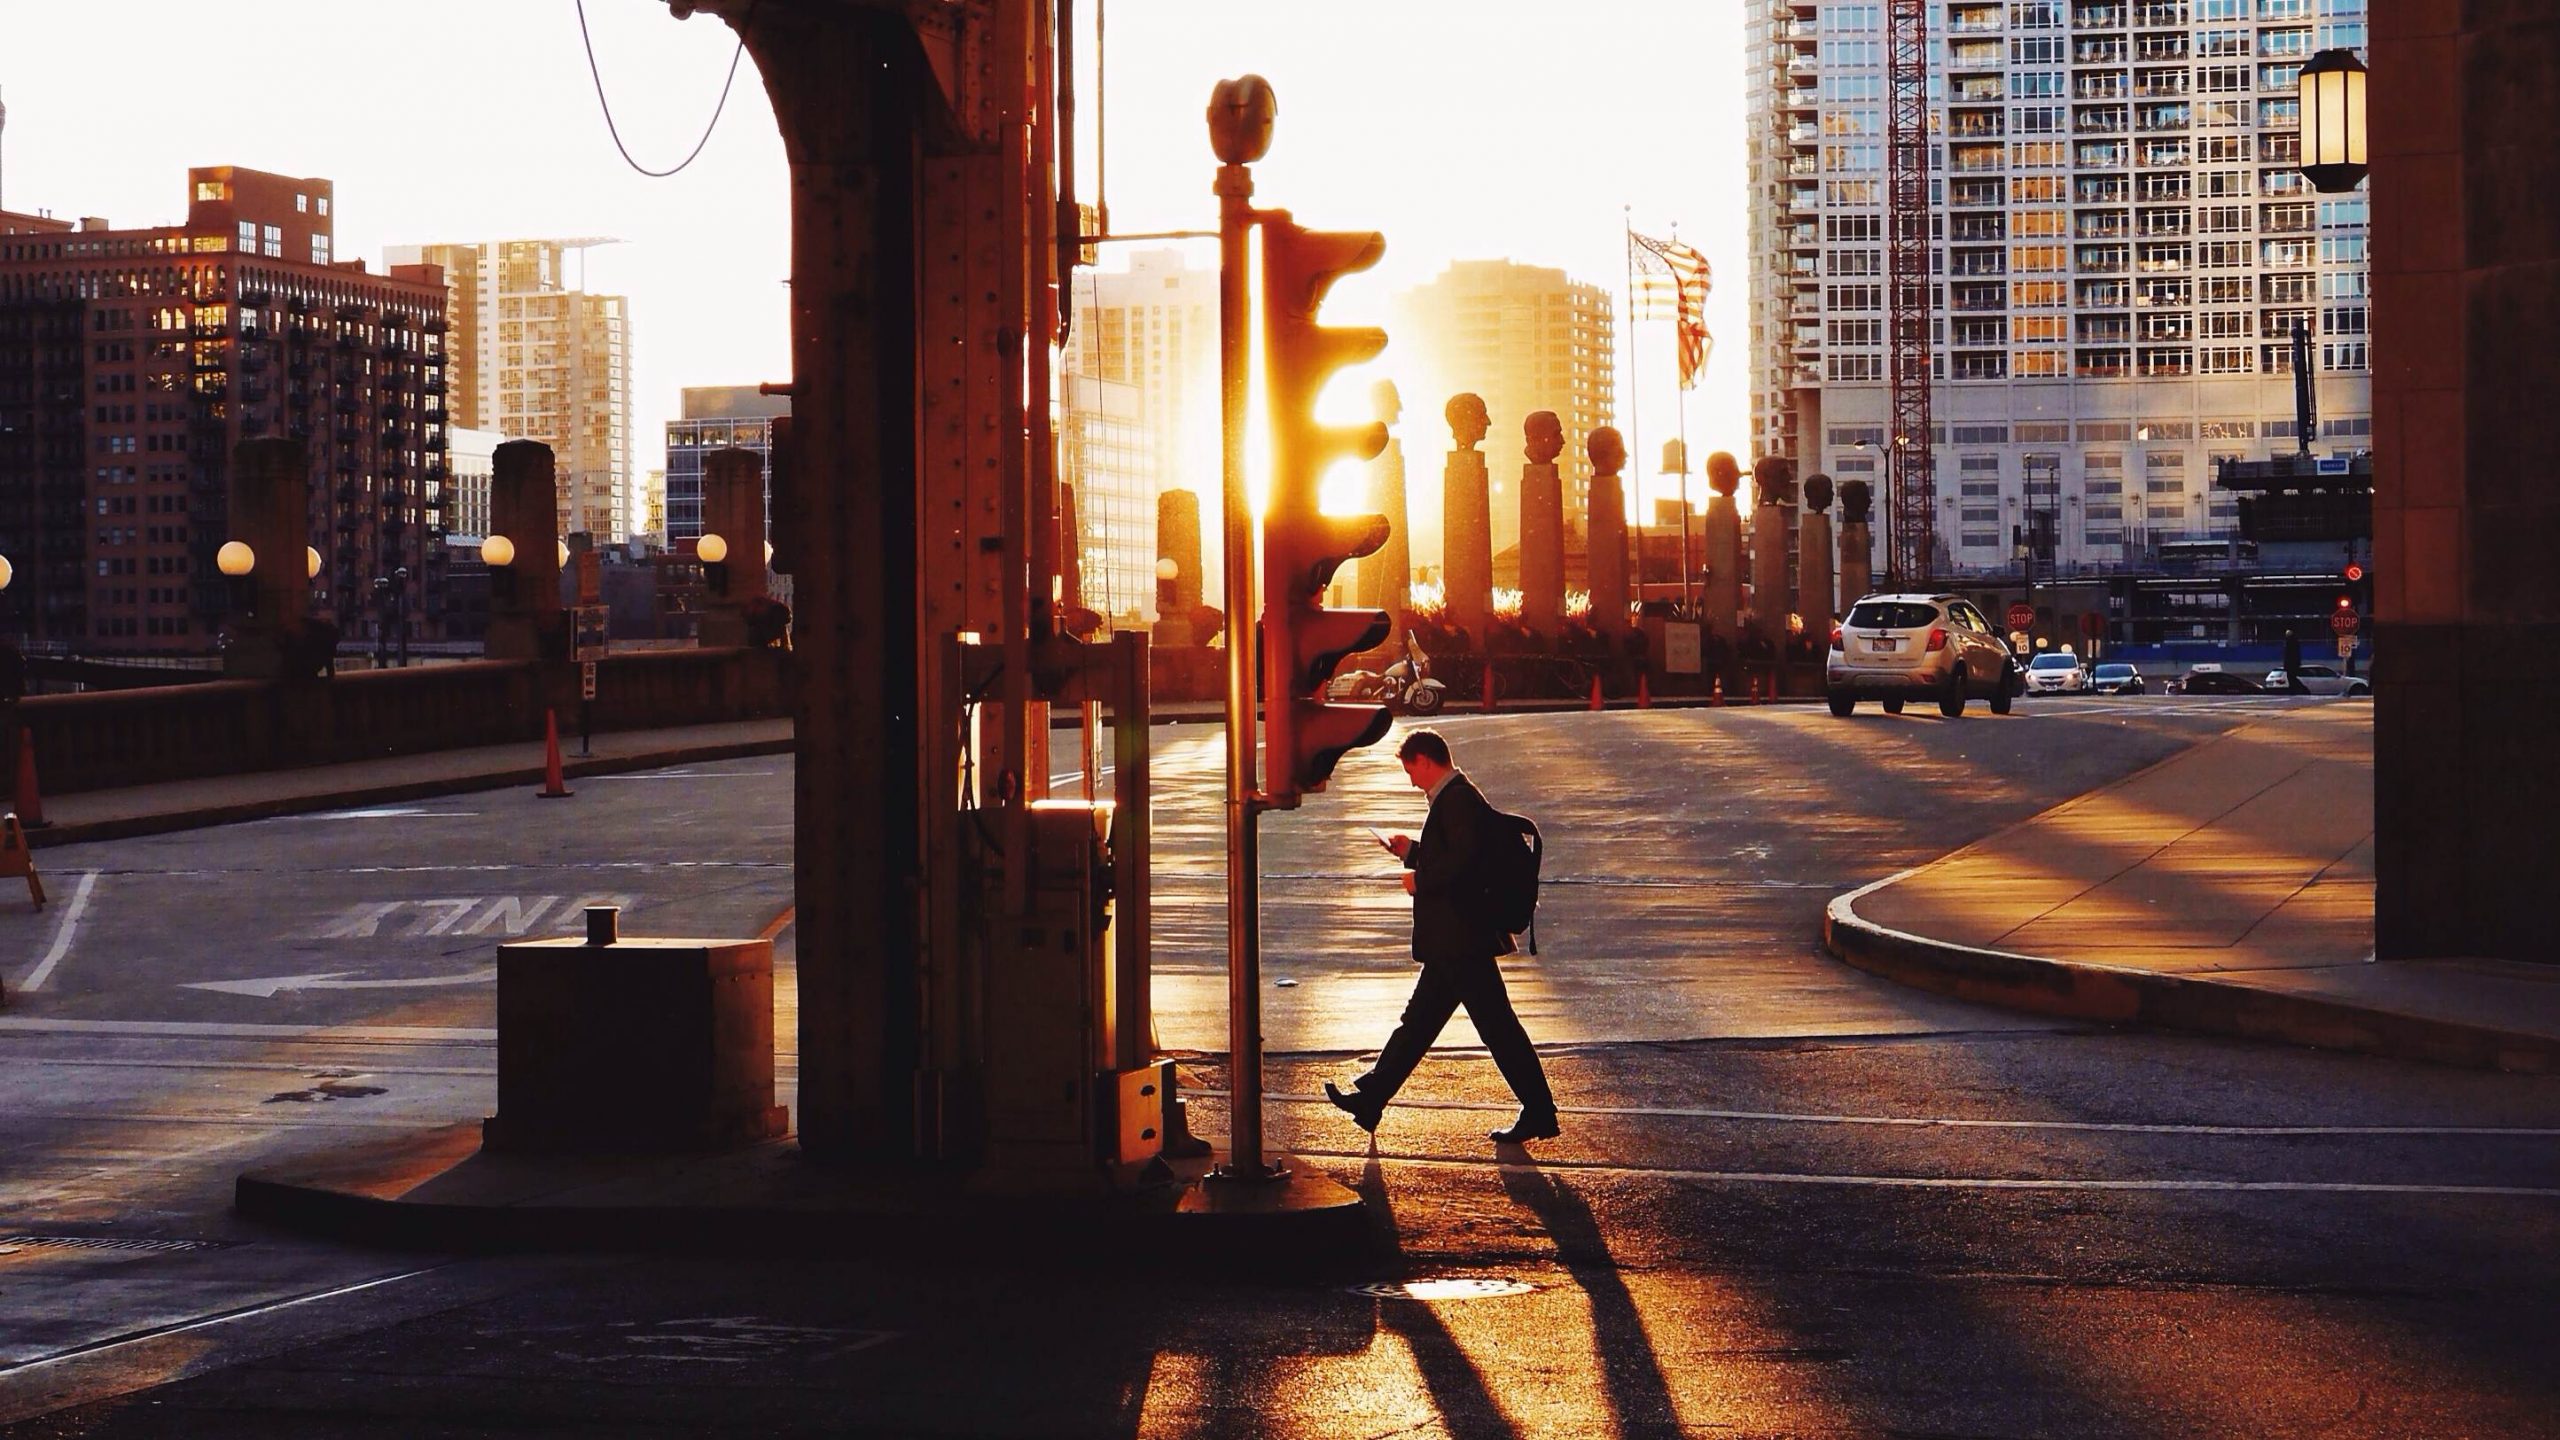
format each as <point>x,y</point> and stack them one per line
<point>1910,297</point>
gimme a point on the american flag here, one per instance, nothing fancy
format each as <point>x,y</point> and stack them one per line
<point>1672,283</point>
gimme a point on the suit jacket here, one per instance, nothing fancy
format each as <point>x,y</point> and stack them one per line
<point>1451,918</point>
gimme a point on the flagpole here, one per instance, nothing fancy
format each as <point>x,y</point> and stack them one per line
<point>1635,429</point>
<point>1680,405</point>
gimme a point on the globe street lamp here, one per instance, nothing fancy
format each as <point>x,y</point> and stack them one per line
<point>235,560</point>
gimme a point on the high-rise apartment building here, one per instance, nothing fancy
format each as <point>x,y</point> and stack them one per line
<point>475,469</point>
<point>2122,250</point>
<point>535,359</point>
<point>1526,339</point>
<point>133,361</point>
<point>1154,327</point>
<point>716,417</point>
<point>1107,459</point>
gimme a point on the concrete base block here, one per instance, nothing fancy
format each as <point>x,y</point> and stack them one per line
<point>640,1045</point>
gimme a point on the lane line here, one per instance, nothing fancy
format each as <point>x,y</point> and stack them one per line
<point>201,1030</point>
<point>300,1116</point>
<point>264,1307</point>
<point>62,937</point>
<point>1928,1122</point>
<point>1947,1182</point>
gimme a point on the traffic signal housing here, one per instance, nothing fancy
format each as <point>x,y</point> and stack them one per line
<point>1303,641</point>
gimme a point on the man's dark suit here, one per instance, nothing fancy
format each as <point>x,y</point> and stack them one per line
<point>1458,943</point>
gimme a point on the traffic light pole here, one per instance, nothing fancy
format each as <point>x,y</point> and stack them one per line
<point>1244,859</point>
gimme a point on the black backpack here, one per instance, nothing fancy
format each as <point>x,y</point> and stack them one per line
<point>1511,874</point>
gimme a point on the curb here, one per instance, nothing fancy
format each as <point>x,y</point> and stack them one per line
<point>75,832</point>
<point>801,1212</point>
<point>2085,991</point>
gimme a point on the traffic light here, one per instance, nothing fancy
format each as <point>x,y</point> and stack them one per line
<point>1302,641</point>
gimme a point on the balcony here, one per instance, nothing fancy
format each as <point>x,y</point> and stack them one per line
<point>2097,17</point>
<point>255,299</point>
<point>433,325</point>
<point>2160,17</point>
<point>2099,52</point>
<point>2096,86</point>
<point>354,310</point>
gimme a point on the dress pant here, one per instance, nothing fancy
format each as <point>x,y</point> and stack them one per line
<point>1444,986</point>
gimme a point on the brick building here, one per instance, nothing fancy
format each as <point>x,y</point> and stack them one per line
<point>133,361</point>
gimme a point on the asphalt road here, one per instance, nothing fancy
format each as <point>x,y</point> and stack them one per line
<point>1789,1200</point>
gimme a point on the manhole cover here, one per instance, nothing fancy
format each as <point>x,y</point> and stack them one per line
<point>12,1243</point>
<point>1447,1287</point>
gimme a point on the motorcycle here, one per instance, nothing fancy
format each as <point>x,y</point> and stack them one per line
<point>1405,686</point>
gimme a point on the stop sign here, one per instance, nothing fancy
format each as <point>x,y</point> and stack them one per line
<point>2344,622</point>
<point>2021,616</point>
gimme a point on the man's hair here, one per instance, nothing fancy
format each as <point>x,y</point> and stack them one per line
<point>1425,744</point>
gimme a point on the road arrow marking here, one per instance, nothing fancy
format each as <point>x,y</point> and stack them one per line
<point>274,985</point>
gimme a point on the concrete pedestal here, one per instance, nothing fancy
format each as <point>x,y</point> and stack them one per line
<point>640,1045</point>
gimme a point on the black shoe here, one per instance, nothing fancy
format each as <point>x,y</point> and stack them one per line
<point>1349,1102</point>
<point>1532,1125</point>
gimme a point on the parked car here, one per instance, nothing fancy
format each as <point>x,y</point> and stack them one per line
<point>2318,680</point>
<point>1896,648</point>
<point>2056,672</point>
<point>2201,681</point>
<point>2117,680</point>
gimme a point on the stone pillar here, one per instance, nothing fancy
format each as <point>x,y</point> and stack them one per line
<point>1723,603</point>
<point>1466,520</point>
<point>1857,542</point>
<point>1605,522</point>
<point>733,509</point>
<point>1542,525</point>
<point>2466,248</point>
<point>1814,600</point>
<point>525,618</point>
<point>1386,578</point>
<point>1773,496</point>
<point>1177,541</point>
<point>271,514</point>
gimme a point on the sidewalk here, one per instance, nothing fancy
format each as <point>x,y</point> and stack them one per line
<point>224,799</point>
<point>2227,890</point>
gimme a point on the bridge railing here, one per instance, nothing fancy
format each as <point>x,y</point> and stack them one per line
<point>105,739</point>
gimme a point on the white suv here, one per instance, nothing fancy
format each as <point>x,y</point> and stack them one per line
<point>2056,673</point>
<point>1895,648</point>
<point>2317,680</point>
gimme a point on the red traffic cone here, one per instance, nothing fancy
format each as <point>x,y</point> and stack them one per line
<point>1596,701</point>
<point>1716,696</point>
<point>29,802</point>
<point>1488,687</point>
<point>1644,689</point>
<point>554,785</point>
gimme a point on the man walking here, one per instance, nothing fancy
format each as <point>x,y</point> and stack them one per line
<point>1458,942</point>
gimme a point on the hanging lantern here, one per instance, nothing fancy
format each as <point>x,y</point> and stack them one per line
<point>2333,130</point>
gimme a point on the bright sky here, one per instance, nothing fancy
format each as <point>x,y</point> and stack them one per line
<point>1463,129</point>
